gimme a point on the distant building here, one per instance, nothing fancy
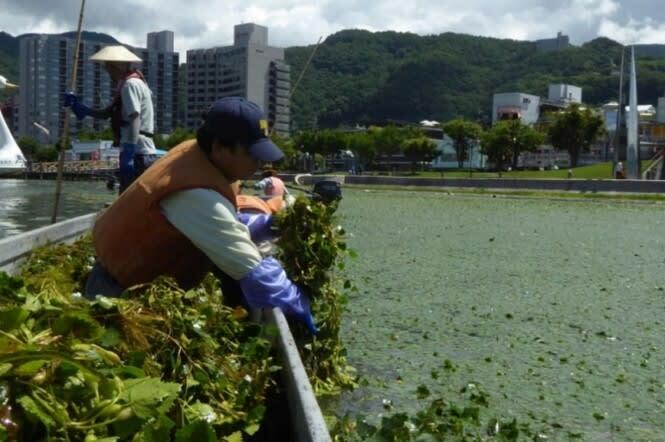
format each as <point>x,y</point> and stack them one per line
<point>660,115</point>
<point>514,106</point>
<point>553,44</point>
<point>249,68</point>
<point>564,93</point>
<point>45,66</point>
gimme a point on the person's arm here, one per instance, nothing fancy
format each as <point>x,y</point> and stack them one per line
<point>81,110</point>
<point>211,223</point>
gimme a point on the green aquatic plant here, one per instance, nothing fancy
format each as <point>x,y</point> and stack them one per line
<point>313,249</point>
<point>160,364</point>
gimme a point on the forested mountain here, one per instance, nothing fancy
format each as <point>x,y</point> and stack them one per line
<point>358,76</point>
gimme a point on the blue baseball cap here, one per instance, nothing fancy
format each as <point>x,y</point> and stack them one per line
<point>243,122</point>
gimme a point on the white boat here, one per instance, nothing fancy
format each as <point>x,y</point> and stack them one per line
<point>12,161</point>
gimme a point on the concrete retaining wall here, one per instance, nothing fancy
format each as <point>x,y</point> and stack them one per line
<point>576,185</point>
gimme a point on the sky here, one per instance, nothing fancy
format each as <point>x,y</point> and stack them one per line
<point>201,24</point>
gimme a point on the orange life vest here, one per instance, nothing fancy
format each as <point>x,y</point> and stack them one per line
<point>133,239</point>
<point>254,204</point>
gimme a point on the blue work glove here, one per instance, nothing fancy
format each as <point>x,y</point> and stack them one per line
<point>80,110</point>
<point>266,285</point>
<point>259,224</point>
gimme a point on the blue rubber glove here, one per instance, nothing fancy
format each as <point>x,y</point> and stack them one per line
<point>80,110</point>
<point>259,224</point>
<point>267,286</point>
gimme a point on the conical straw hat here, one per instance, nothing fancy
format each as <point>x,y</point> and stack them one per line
<point>118,54</point>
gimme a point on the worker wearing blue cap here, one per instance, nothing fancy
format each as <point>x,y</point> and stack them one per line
<point>180,217</point>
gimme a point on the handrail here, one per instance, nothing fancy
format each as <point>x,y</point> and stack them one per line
<point>655,161</point>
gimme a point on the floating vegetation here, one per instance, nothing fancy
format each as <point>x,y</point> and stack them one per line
<point>312,248</point>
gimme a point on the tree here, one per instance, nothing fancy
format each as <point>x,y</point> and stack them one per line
<point>506,140</point>
<point>29,146</point>
<point>178,135</point>
<point>463,134</point>
<point>418,150</point>
<point>363,145</point>
<point>574,130</point>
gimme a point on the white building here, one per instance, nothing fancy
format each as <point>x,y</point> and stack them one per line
<point>516,105</point>
<point>564,93</point>
<point>100,150</point>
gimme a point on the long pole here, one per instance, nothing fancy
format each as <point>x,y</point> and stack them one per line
<point>304,69</point>
<point>617,133</point>
<point>64,141</point>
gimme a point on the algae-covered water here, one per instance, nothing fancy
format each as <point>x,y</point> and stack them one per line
<point>556,309</point>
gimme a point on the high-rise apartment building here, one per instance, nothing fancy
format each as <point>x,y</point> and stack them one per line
<point>249,68</point>
<point>45,66</point>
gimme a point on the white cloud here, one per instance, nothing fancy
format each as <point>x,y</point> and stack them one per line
<point>635,31</point>
<point>199,23</point>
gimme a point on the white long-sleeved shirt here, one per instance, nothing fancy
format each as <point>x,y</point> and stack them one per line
<point>209,220</point>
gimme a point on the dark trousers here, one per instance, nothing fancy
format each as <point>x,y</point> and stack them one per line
<point>100,282</point>
<point>141,163</point>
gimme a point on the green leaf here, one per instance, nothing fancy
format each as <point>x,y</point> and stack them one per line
<point>158,431</point>
<point>35,411</point>
<point>200,412</point>
<point>251,429</point>
<point>150,397</point>
<point>235,437</point>
<point>5,368</point>
<point>30,368</point>
<point>12,318</point>
<point>196,432</point>
<point>78,323</point>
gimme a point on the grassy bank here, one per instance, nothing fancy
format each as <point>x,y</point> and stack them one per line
<point>594,171</point>
<point>548,194</point>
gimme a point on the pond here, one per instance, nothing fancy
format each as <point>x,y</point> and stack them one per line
<point>553,308</point>
<point>28,204</point>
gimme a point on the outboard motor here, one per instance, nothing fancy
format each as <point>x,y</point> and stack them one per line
<point>327,191</point>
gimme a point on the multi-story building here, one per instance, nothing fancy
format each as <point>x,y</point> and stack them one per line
<point>516,105</point>
<point>553,44</point>
<point>45,67</point>
<point>249,68</point>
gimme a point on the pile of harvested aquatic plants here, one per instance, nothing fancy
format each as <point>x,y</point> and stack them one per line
<point>162,364</point>
<point>312,248</point>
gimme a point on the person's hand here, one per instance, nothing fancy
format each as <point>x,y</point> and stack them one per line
<point>259,225</point>
<point>70,98</point>
<point>80,110</point>
<point>267,286</point>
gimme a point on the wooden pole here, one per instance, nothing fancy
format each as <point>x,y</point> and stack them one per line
<point>64,140</point>
<point>302,73</point>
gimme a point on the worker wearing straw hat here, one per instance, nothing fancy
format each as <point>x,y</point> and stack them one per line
<point>131,112</point>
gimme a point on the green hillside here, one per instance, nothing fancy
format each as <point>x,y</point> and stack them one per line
<point>359,76</point>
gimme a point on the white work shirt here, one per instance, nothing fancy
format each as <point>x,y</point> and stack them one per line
<point>136,98</point>
<point>210,222</point>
